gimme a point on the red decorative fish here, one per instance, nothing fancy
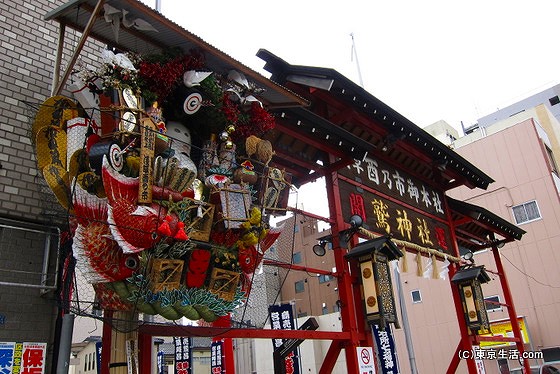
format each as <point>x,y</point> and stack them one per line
<point>133,226</point>
<point>98,255</point>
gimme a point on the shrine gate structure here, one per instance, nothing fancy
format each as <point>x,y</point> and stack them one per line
<point>376,163</point>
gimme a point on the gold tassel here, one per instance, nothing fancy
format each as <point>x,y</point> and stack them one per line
<point>435,271</point>
<point>404,263</point>
<point>419,270</point>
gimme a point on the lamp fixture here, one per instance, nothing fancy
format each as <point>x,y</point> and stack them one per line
<point>468,280</point>
<point>356,221</point>
<point>468,257</point>
<point>373,257</point>
<point>319,249</point>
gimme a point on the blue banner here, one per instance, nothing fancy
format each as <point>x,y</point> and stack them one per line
<point>160,362</point>
<point>385,349</point>
<point>98,356</point>
<point>282,318</point>
<point>183,358</point>
<point>217,357</point>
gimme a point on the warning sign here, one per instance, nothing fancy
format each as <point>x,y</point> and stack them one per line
<point>365,360</point>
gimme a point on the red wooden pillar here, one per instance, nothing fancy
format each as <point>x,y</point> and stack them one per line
<point>106,341</point>
<point>345,289</point>
<point>228,359</point>
<point>510,307</point>
<point>145,353</point>
<point>465,344</point>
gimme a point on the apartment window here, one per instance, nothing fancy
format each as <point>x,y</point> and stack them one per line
<point>554,100</point>
<point>336,307</point>
<point>296,258</point>
<point>416,296</point>
<point>325,310</point>
<point>491,303</point>
<point>551,160</point>
<point>323,278</point>
<point>300,286</point>
<point>526,212</point>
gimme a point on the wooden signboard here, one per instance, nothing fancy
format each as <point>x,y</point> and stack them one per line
<point>394,203</point>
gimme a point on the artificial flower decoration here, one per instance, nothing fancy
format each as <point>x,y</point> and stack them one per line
<point>166,211</point>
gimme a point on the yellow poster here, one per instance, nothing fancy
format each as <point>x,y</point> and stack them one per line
<point>504,328</point>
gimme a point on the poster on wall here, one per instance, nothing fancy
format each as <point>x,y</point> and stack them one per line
<point>18,358</point>
<point>7,356</point>
<point>183,358</point>
<point>282,318</point>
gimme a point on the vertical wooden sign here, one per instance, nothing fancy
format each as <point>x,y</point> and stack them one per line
<point>148,131</point>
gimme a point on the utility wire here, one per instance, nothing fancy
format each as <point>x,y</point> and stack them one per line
<point>528,275</point>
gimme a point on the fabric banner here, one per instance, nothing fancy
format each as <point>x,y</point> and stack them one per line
<point>385,349</point>
<point>98,356</point>
<point>282,318</point>
<point>217,357</point>
<point>160,362</point>
<point>183,355</point>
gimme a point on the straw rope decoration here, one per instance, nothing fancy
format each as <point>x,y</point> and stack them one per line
<point>419,269</point>
<point>404,262</point>
<point>435,271</point>
<point>430,252</point>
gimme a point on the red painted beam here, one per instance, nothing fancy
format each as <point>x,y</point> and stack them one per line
<point>176,330</point>
<point>289,157</point>
<point>297,267</point>
<point>326,170</point>
<point>308,214</point>
<point>330,358</point>
<point>316,143</point>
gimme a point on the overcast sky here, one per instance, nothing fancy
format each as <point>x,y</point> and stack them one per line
<point>429,60</point>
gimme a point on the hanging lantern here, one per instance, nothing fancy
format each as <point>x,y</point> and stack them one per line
<point>469,280</point>
<point>374,257</point>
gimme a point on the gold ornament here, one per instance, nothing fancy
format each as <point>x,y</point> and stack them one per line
<point>224,136</point>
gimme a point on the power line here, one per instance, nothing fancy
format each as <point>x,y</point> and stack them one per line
<point>528,275</point>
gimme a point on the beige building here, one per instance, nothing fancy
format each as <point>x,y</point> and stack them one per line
<point>519,153</point>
